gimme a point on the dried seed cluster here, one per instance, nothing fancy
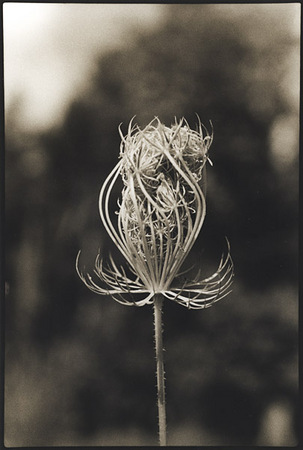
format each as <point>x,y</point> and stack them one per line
<point>160,214</point>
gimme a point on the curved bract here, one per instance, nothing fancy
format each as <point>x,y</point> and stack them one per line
<point>161,211</point>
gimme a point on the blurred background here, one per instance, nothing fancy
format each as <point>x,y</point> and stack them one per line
<point>80,368</point>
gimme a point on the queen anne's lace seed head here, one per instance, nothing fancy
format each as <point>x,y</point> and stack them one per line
<point>161,211</point>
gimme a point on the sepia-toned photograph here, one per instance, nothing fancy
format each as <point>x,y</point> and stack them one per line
<point>151,224</point>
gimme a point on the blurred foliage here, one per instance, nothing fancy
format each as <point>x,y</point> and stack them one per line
<point>94,357</point>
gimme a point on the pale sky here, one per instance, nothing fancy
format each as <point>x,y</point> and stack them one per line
<point>49,51</point>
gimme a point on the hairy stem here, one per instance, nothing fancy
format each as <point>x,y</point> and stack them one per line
<point>160,368</point>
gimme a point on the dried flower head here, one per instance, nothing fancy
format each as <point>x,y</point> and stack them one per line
<point>161,211</point>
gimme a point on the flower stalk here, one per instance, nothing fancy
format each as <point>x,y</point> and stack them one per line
<point>158,303</point>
